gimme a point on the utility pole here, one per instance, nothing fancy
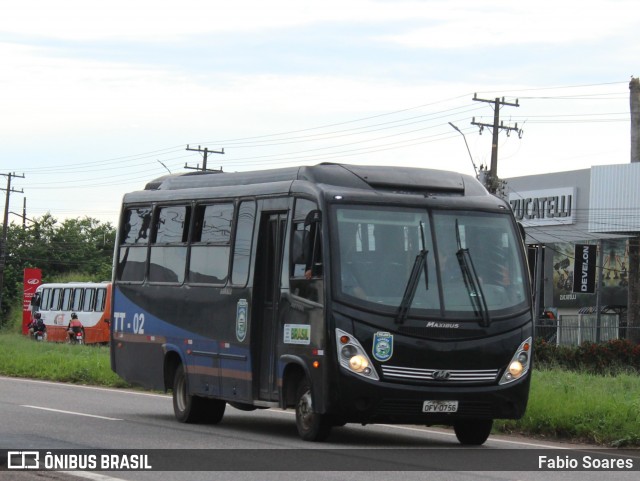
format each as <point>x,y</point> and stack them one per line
<point>23,216</point>
<point>24,213</point>
<point>5,228</point>
<point>633,300</point>
<point>491,180</point>
<point>205,153</point>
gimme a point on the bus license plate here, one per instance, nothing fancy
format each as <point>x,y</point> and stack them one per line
<point>440,407</point>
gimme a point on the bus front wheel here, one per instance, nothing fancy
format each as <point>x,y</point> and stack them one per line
<point>194,409</point>
<point>311,426</point>
<point>474,431</point>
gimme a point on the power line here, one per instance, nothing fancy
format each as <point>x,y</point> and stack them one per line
<point>372,133</point>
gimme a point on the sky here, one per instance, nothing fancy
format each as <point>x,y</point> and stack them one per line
<point>97,98</point>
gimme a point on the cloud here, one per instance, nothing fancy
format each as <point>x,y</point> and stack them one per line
<point>158,20</point>
<point>473,25</point>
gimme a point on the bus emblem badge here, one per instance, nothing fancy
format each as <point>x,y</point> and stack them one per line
<point>441,375</point>
<point>382,346</point>
<point>241,319</point>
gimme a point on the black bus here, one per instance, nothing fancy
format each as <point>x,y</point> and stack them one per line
<point>353,294</point>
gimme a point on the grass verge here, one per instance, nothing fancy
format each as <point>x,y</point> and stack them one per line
<point>604,410</point>
<point>81,364</point>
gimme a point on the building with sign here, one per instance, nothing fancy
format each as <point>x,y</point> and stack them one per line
<point>565,212</point>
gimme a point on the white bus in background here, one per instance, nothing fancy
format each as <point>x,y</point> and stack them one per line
<point>91,301</point>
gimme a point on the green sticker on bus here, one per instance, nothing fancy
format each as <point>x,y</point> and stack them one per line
<point>297,334</point>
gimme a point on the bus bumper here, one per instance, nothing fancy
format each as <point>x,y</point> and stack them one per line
<point>364,401</point>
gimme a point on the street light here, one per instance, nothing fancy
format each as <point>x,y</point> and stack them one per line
<point>465,143</point>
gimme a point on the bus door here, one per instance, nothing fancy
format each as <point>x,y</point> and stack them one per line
<point>266,302</point>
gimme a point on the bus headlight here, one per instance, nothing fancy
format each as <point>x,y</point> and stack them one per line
<point>358,363</point>
<point>353,357</point>
<point>516,368</point>
<point>519,365</point>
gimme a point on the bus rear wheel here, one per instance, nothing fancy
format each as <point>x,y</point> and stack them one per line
<point>311,426</point>
<point>474,431</point>
<point>194,409</point>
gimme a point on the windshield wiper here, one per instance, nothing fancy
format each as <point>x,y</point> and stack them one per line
<point>472,281</point>
<point>412,284</point>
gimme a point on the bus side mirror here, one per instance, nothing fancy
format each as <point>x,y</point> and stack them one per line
<point>313,217</point>
<point>312,242</point>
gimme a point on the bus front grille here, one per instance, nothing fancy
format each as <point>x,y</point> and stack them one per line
<point>440,376</point>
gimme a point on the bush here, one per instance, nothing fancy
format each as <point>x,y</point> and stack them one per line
<point>611,357</point>
<point>12,322</point>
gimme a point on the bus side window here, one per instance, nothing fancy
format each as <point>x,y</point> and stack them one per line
<point>298,240</point>
<point>100,298</point>
<point>168,258</point>
<point>242,243</point>
<point>76,304</point>
<point>87,305</point>
<point>44,301</point>
<point>55,299</point>
<point>313,245</point>
<point>137,223</point>
<point>306,240</point>
<point>132,258</point>
<point>306,252</point>
<point>211,244</point>
<point>66,299</point>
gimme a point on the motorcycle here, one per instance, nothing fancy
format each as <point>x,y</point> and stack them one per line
<point>39,336</point>
<point>77,337</point>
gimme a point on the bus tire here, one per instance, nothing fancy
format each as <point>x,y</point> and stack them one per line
<point>213,410</point>
<point>194,409</point>
<point>311,426</point>
<point>473,431</point>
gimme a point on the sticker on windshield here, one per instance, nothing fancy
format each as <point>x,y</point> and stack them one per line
<point>382,346</point>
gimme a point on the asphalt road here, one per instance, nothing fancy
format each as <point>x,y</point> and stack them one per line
<point>37,415</point>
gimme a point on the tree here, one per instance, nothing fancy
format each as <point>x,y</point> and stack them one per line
<point>83,246</point>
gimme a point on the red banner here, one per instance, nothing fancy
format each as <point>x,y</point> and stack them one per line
<point>32,279</point>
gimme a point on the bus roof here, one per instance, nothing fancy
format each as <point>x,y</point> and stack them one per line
<point>380,178</point>
<point>74,284</point>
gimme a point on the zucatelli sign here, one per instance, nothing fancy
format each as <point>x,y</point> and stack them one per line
<point>544,207</point>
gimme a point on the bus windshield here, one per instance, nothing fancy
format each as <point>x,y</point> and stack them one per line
<point>377,248</point>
